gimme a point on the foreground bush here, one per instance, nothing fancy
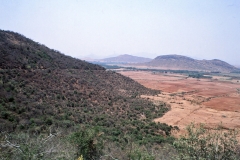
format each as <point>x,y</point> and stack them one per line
<point>25,146</point>
<point>205,144</point>
<point>88,143</point>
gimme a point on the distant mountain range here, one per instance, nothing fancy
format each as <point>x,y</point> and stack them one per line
<point>125,58</point>
<point>179,62</point>
<point>173,62</point>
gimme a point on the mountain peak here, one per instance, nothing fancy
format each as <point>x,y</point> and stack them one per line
<point>126,58</point>
<point>179,62</point>
<point>174,57</point>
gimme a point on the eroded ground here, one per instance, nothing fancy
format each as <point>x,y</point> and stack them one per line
<point>210,101</point>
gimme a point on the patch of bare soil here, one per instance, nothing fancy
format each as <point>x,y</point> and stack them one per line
<point>209,101</point>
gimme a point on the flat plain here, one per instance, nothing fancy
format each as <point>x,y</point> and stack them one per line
<point>213,101</point>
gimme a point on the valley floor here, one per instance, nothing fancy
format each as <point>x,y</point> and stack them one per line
<point>211,101</point>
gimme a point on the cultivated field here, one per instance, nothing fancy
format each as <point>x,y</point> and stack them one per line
<point>210,101</point>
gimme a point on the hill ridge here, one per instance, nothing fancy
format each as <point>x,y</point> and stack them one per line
<point>126,58</point>
<point>21,52</point>
<point>180,62</point>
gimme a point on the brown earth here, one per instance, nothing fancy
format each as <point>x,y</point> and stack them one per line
<point>209,101</point>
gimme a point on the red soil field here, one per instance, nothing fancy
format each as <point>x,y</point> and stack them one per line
<point>209,101</point>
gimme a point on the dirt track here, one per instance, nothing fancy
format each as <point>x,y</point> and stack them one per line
<point>208,101</point>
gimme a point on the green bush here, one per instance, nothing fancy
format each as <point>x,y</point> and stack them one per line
<point>88,143</point>
<point>48,121</point>
<point>5,114</point>
<point>205,144</point>
<point>139,154</point>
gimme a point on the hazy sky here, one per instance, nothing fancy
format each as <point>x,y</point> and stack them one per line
<point>203,29</point>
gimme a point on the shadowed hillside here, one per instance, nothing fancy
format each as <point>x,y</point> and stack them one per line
<point>178,62</point>
<point>41,87</point>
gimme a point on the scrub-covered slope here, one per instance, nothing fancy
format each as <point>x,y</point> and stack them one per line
<point>42,87</point>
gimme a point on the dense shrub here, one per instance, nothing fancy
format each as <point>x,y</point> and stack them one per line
<point>88,142</point>
<point>205,144</point>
